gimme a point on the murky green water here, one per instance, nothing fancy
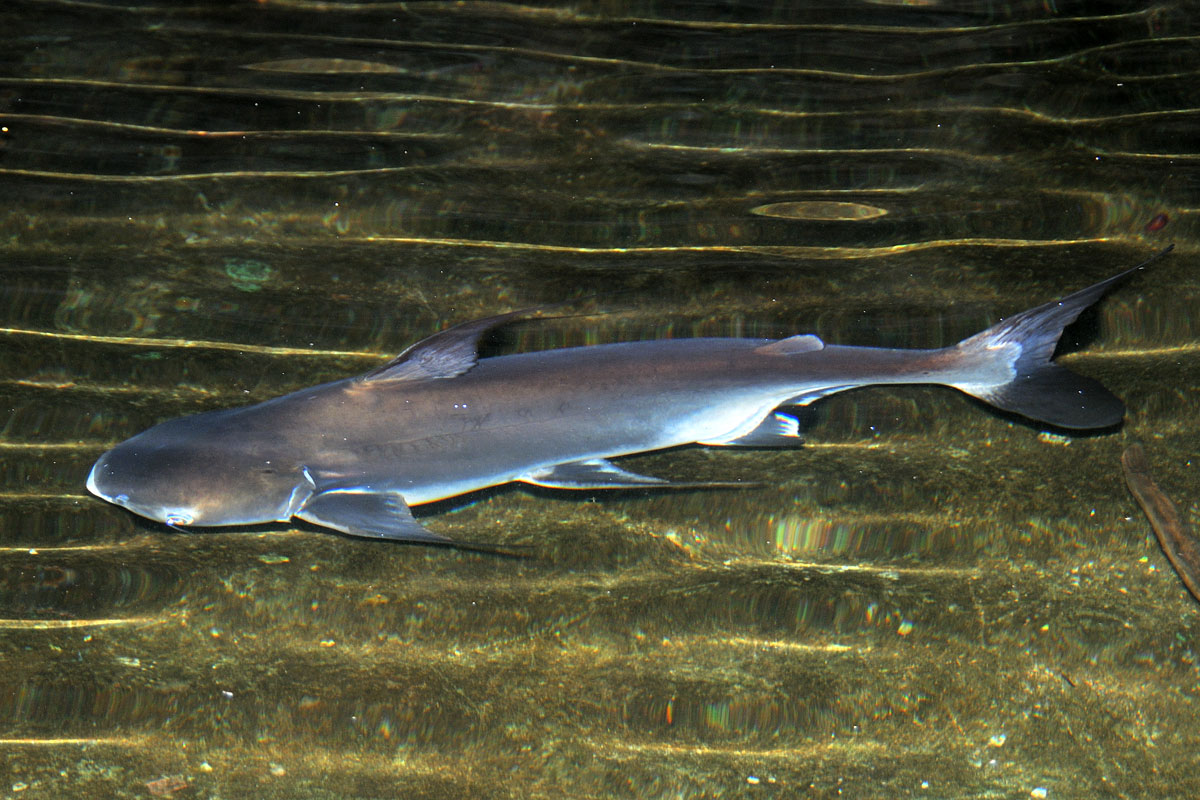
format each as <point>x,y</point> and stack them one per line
<point>208,205</point>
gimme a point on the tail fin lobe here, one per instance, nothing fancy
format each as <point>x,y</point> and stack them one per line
<point>1038,388</point>
<point>1059,397</point>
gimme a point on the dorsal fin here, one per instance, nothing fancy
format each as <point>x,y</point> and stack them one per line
<point>443,355</point>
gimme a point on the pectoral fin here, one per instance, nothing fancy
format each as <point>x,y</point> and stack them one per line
<point>360,511</point>
<point>597,473</point>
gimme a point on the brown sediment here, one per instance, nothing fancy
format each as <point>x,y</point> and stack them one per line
<point>1177,540</point>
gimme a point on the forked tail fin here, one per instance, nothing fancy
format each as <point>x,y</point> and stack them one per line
<point>1037,387</point>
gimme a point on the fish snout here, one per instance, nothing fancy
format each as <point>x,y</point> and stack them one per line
<point>94,479</point>
<point>104,482</point>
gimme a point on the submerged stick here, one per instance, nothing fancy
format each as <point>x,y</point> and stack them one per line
<point>1178,542</point>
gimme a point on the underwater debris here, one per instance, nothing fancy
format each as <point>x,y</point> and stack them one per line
<point>1176,538</point>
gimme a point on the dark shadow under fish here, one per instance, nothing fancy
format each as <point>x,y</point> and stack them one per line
<point>438,421</point>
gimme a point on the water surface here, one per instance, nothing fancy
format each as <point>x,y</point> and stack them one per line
<point>212,204</point>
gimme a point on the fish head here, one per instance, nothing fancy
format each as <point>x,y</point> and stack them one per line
<point>174,474</point>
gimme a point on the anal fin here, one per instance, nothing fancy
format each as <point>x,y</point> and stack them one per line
<point>777,430</point>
